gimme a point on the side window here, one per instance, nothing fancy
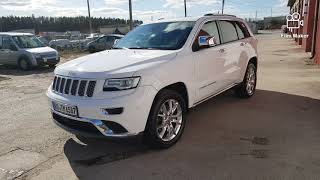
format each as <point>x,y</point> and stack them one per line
<point>110,39</point>
<point>210,29</point>
<point>102,39</point>
<point>242,29</point>
<point>240,32</point>
<point>0,42</point>
<point>7,42</point>
<point>228,31</point>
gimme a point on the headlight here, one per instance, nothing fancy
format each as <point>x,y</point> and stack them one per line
<point>37,56</point>
<point>121,84</point>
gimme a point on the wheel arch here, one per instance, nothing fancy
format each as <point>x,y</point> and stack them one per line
<point>179,87</point>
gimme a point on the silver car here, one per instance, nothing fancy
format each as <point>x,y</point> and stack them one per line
<point>26,51</point>
<point>103,43</point>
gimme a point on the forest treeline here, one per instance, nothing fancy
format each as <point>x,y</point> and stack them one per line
<point>58,24</point>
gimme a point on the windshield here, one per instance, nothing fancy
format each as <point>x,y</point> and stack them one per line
<point>28,41</point>
<point>165,36</point>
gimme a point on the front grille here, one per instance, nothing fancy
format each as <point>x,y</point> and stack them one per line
<point>74,87</point>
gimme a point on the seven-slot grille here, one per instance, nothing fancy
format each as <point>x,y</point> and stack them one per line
<point>75,87</point>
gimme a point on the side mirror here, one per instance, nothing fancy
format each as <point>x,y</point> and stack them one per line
<point>115,41</point>
<point>206,41</point>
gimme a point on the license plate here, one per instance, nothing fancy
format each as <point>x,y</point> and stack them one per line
<point>65,109</point>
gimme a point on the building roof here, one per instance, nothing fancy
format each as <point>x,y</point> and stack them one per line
<point>15,34</point>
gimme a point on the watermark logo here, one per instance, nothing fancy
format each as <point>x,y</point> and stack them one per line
<point>294,21</point>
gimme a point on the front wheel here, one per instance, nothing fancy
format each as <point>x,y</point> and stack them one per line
<point>24,64</point>
<point>248,87</point>
<point>166,120</point>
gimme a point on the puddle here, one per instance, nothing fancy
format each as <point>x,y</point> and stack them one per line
<point>107,158</point>
<point>258,153</point>
<point>257,140</point>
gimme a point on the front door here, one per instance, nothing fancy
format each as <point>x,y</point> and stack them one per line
<point>209,63</point>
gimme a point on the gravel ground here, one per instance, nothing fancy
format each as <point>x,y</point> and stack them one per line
<point>274,135</point>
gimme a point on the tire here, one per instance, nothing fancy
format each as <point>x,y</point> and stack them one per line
<point>163,131</point>
<point>24,64</point>
<point>52,66</point>
<point>92,49</point>
<point>248,87</point>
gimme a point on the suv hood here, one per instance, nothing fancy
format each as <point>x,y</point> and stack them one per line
<point>114,63</point>
<point>40,50</point>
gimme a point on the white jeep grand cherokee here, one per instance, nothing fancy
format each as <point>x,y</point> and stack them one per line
<point>152,76</point>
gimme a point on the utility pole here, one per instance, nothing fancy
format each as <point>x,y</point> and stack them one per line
<point>90,25</point>
<point>130,15</point>
<point>271,12</point>
<point>256,15</point>
<point>222,6</point>
<point>185,8</point>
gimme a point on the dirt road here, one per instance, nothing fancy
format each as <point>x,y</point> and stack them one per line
<point>274,135</point>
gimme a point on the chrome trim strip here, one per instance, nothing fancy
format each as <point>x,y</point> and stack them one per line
<point>215,94</point>
<point>208,84</point>
<point>104,130</point>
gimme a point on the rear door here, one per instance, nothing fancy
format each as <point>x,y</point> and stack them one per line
<point>231,51</point>
<point>9,51</point>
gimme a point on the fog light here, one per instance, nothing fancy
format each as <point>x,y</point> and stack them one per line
<point>113,111</point>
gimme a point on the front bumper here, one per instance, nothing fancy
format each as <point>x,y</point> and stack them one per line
<point>48,61</point>
<point>93,120</point>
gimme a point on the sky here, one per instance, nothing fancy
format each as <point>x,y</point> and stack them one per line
<point>145,10</point>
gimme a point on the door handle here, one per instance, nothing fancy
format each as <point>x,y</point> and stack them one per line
<point>222,50</point>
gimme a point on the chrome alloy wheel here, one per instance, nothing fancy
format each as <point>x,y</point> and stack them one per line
<point>169,120</point>
<point>251,80</point>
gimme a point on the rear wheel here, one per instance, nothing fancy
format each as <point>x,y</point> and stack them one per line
<point>24,64</point>
<point>166,120</point>
<point>248,87</point>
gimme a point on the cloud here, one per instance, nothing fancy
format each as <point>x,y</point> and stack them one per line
<point>26,5</point>
<point>190,3</point>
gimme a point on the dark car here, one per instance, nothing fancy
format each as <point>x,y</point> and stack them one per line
<point>103,43</point>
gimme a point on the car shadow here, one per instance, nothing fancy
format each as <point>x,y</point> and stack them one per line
<point>223,136</point>
<point>15,71</point>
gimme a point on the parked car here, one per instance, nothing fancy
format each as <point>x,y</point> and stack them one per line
<point>103,43</point>
<point>60,44</point>
<point>152,76</point>
<point>26,51</point>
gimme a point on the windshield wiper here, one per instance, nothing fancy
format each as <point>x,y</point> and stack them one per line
<point>119,48</point>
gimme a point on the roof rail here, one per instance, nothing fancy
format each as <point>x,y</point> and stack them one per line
<point>214,14</point>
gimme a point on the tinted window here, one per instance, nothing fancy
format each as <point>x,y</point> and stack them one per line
<point>240,32</point>
<point>165,35</point>
<point>7,42</point>
<point>0,42</point>
<point>210,29</point>
<point>27,41</point>
<point>244,29</point>
<point>101,40</point>
<point>228,31</point>
<point>110,39</point>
